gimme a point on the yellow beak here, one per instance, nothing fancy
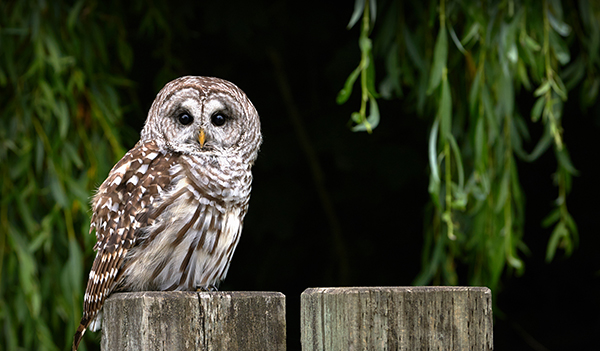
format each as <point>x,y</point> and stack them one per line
<point>202,137</point>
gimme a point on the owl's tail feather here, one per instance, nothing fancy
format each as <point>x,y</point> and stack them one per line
<point>79,333</point>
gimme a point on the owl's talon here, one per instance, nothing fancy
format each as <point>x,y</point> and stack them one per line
<point>210,287</point>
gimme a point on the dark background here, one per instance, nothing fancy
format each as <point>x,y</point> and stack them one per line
<point>377,183</point>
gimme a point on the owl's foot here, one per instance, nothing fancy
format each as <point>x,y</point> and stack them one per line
<point>211,287</point>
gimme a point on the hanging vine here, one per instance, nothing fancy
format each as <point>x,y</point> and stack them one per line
<point>468,89</point>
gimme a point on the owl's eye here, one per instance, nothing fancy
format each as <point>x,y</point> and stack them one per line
<point>218,119</point>
<point>185,119</point>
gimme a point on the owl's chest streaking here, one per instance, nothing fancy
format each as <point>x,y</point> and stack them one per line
<point>186,221</point>
<point>193,229</point>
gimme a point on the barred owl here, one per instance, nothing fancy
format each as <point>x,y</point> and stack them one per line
<point>169,215</point>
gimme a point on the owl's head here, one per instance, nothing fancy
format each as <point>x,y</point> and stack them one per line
<point>204,115</point>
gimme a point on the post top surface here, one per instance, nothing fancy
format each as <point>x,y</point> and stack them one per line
<point>194,294</point>
<point>397,289</point>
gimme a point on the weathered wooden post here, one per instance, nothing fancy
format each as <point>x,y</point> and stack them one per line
<point>397,318</point>
<point>224,320</point>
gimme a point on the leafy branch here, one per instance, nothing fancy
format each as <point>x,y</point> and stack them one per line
<point>365,69</point>
<point>477,131</point>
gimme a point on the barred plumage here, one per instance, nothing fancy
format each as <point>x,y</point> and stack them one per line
<point>169,215</point>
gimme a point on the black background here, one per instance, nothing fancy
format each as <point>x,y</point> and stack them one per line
<point>377,183</point>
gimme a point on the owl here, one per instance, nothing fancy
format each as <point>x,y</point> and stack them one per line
<point>169,215</point>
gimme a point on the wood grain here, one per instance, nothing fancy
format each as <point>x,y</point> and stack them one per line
<point>397,318</point>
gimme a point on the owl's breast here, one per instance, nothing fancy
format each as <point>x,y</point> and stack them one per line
<point>195,229</point>
<point>226,179</point>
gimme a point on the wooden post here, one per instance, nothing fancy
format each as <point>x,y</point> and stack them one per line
<point>223,320</point>
<point>397,318</point>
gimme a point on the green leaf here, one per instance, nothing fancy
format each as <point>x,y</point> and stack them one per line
<point>541,147</point>
<point>559,87</point>
<point>572,226</point>
<point>512,54</point>
<point>517,196</point>
<point>559,26</point>
<point>370,72</point>
<point>73,156</point>
<point>523,76</point>
<point>39,154</point>
<point>74,14</point>
<point>359,6</point>
<point>560,49</point>
<point>391,84</point>
<point>503,191</point>
<point>440,56</point>
<point>490,115</point>
<point>474,93</point>
<point>560,232</point>
<point>479,140</point>
<point>532,44</point>
<point>459,198</point>
<point>573,73</point>
<point>434,192</point>
<point>514,262</point>
<point>542,89</point>
<point>433,136</point>
<point>531,59</point>
<point>553,217</point>
<point>516,137</point>
<point>25,213</point>
<point>54,53</point>
<point>565,161</point>
<point>506,95</point>
<point>372,120</point>
<point>62,115</point>
<point>373,11</point>
<point>47,92</point>
<point>458,158</point>
<point>344,94</point>
<point>471,33</point>
<point>536,111</point>
<point>455,40</point>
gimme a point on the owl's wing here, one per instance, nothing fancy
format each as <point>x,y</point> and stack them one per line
<point>120,208</point>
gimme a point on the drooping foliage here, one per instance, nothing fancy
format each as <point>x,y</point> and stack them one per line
<point>463,64</point>
<point>61,78</point>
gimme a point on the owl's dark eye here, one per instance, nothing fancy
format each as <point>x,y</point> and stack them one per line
<point>218,119</point>
<point>185,119</point>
